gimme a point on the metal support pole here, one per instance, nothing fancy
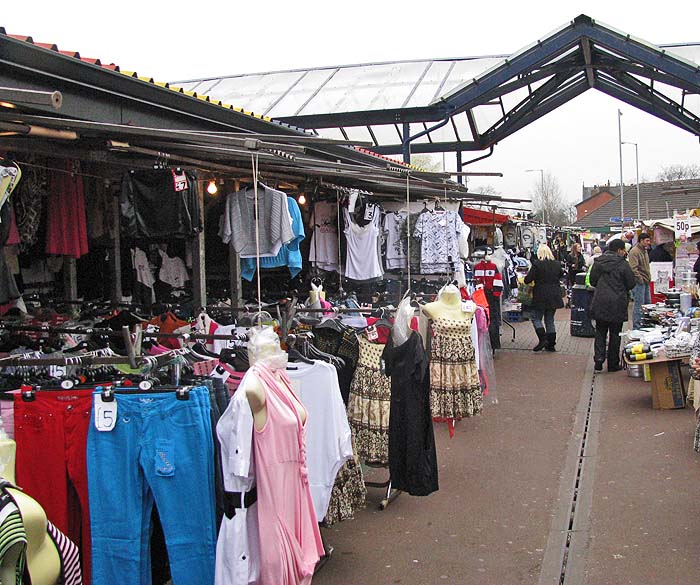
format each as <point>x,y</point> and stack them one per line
<point>460,178</point>
<point>622,185</point>
<point>636,160</point>
<point>406,142</point>
<point>199,277</point>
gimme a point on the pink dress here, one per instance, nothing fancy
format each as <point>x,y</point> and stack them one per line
<point>290,541</point>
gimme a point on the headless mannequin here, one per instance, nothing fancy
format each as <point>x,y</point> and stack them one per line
<point>43,562</point>
<point>449,306</point>
<point>265,348</point>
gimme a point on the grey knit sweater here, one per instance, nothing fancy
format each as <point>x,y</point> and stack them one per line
<point>238,223</point>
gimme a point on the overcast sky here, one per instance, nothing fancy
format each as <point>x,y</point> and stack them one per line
<point>578,143</point>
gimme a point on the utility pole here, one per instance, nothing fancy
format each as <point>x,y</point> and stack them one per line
<point>622,185</point>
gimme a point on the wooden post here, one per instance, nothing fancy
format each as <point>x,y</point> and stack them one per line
<point>234,263</point>
<point>199,277</point>
<point>70,278</point>
<point>116,255</point>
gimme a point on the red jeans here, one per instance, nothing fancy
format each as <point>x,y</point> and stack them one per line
<point>51,436</point>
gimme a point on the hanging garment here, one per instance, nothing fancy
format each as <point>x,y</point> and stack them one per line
<point>412,457</point>
<point>28,201</point>
<point>369,405</point>
<point>486,273</point>
<point>348,495</point>
<point>289,255</point>
<point>238,545</point>
<point>288,526</point>
<point>527,236</point>
<point>323,253</point>
<point>439,235</point>
<point>172,270</point>
<point>328,438</point>
<point>396,240</point>
<point>144,274</point>
<point>51,435</point>
<point>10,174</point>
<point>510,235</point>
<point>274,225</point>
<point>159,451</point>
<point>160,204</point>
<point>455,392</point>
<point>363,261</point>
<point>66,228</point>
<point>8,285</point>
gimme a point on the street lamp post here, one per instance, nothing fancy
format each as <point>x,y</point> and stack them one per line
<point>622,184</point>
<point>636,163</point>
<point>541,171</point>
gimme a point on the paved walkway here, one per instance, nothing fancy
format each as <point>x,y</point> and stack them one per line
<point>569,474</point>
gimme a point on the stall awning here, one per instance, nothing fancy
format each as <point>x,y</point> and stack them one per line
<point>473,216</point>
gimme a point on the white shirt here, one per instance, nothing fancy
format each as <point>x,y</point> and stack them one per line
<point>238,545</point>
<point>362,262</point>
<point>328,437</point>
<point>396,239</point>
<point>173,271</point>
<point>324,242</point>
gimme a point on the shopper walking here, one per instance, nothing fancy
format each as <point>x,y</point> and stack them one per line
<point>576,262</point>
<point>639,263</point>
<point>612,278</point>
<point>546,296</point>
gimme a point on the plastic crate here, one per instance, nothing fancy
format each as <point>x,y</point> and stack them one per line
<point>514,316</point>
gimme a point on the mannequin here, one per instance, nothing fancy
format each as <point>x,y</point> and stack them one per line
<point>43,562</point>
<point>265,348</point>
<point>449,305</point>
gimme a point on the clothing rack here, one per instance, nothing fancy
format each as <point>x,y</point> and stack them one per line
<point>112,333</point>
<point>88,360</point>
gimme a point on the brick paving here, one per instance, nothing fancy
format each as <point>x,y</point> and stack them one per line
<point>525,338</point>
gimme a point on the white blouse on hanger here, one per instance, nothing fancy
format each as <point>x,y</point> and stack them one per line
<point>363,261</point>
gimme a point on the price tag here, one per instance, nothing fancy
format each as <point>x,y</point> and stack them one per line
<point>57,371</point>
<point>372,333</point>
<point>682,228</point>
<point>220,372</point>
<point>467,306</point>
<point>179,180</point>
<point>150,328</point>
<point>105,414</point>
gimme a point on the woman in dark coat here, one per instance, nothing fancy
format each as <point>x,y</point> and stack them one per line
<point>546,296</point>
<point>612,278</point>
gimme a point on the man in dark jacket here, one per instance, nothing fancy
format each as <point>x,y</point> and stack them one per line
<point>612,278</point>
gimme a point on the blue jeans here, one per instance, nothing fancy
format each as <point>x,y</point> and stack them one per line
<point>160,449</point>
<point>642,296</point>
<point>548,315</point>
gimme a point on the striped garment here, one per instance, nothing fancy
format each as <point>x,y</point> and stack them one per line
<point>12,533</point>
<point>70,557</point>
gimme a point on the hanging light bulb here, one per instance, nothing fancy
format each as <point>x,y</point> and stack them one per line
<point>301,199</point>
<point>212,189</point>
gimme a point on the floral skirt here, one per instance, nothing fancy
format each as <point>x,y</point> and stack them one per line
<point>455,391</point>
<point>349,493</point>
<point>368,414</point>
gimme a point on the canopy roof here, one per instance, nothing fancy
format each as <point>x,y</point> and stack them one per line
<point>471,103</point>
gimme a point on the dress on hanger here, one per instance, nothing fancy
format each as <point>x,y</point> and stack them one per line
<point>455,391</point>
<point>412,458</point>
<point>369,405</point>
<point>287,522</point>
<point>323,252</point>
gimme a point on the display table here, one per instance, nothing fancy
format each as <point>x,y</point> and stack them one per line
<point>667,386</point>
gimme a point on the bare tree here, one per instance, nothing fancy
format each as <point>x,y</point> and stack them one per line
<point>426,162</point>
<point>679,171</point>
<point>548,203</point>
<point>486,190</point>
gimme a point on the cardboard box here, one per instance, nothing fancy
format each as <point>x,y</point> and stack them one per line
<point>667,387</point>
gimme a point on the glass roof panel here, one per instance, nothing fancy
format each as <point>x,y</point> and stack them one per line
<point>467,69</point>
<point>293,102</point>
<point>369,87</point>
<point>430,85</point>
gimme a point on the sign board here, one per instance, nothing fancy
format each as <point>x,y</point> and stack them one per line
<point>682,227</point>
<point>621,219</point>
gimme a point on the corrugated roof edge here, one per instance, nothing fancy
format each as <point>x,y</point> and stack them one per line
<point>165,85</point>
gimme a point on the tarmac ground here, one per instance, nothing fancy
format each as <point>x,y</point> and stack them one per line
<point>570,478</point>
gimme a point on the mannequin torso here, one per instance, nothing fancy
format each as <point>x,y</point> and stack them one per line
<point>449,306</point>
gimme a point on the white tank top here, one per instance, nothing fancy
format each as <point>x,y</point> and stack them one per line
<point>362,262</point>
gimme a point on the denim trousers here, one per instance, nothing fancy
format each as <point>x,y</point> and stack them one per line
<point>548,316</point>
<point>159,451</point>
<point>642,296</point>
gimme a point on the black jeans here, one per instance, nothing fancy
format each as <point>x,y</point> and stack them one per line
<point>602,329</point>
